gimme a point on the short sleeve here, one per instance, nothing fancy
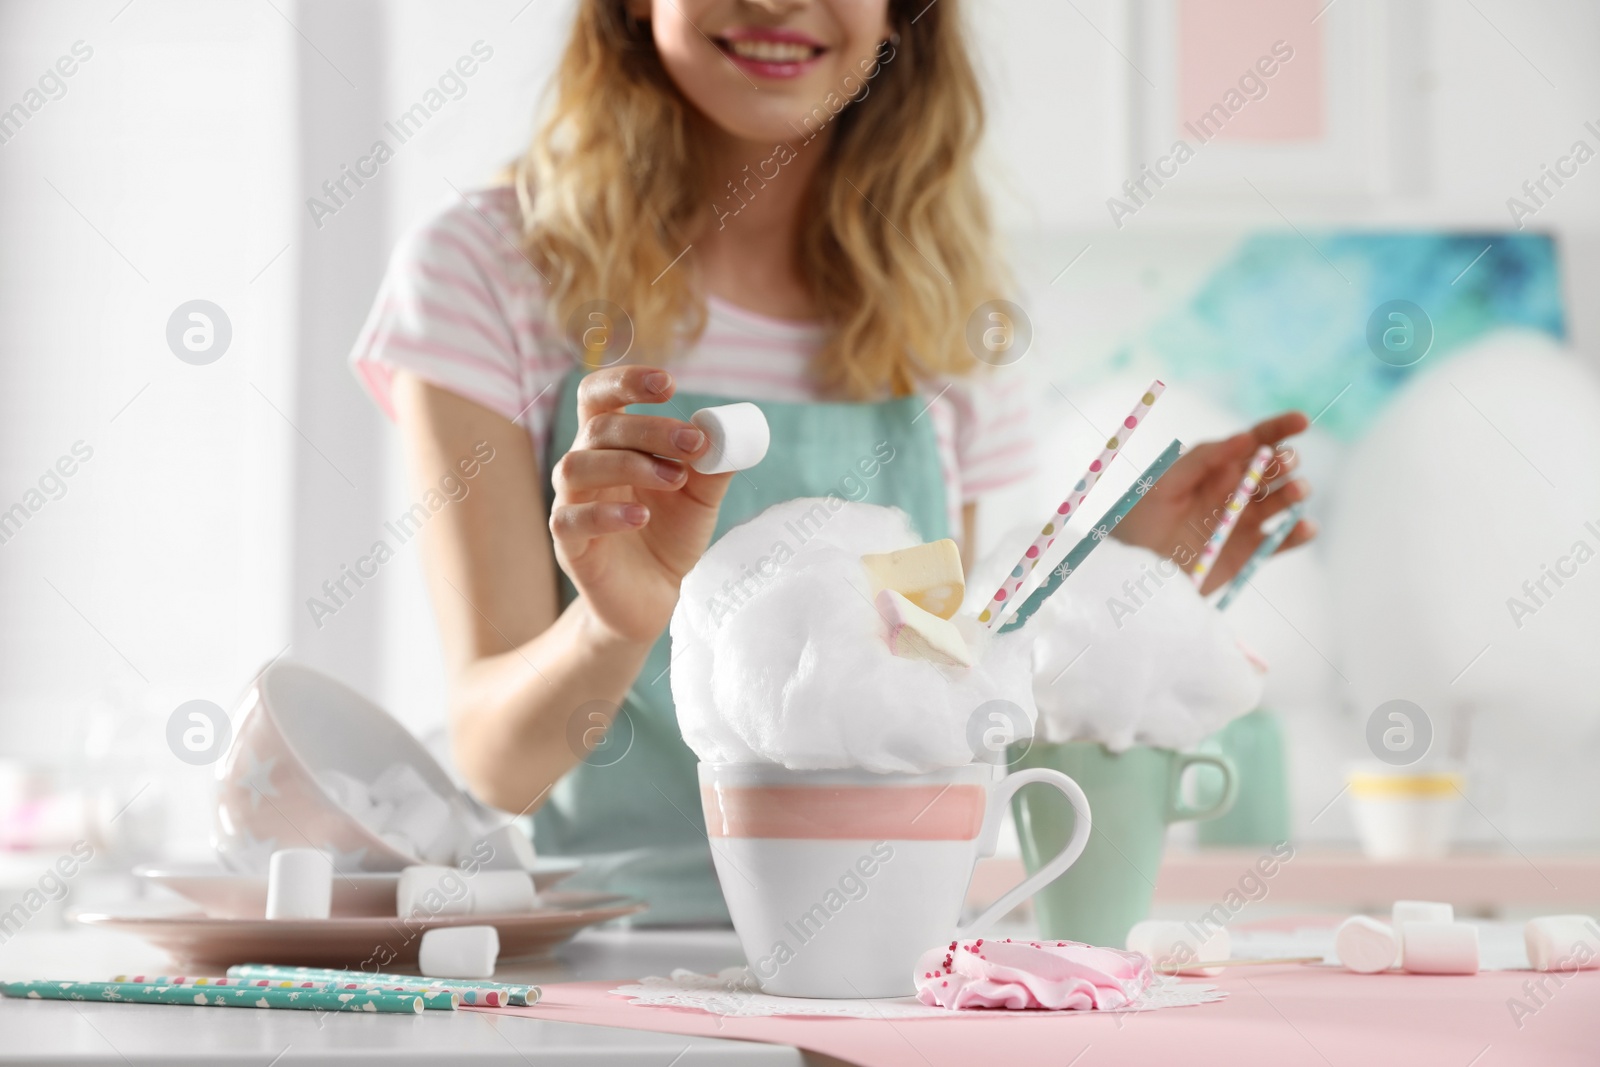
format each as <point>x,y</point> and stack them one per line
<point>462,309</point>
<point>994,444</point>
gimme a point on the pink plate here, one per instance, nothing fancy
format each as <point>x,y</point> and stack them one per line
<point>371,943</point>
<point>225,894</point>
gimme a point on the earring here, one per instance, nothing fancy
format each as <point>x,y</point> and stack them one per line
<point>894,38</point>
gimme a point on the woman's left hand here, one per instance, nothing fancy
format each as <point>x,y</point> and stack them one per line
<point>1178,515</point>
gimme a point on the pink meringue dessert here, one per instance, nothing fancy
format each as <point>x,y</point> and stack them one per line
<point>1047,975</point>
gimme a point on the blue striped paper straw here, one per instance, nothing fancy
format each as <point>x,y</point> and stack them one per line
<point>1102,529</point>
<point>1264,550</point>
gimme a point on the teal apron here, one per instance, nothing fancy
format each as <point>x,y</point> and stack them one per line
<point>631,811</point>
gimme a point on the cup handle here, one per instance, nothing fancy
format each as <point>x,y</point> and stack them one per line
<point>1178,811</point>
<point>999,800</point>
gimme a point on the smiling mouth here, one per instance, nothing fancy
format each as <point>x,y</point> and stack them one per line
<point>768,52</point>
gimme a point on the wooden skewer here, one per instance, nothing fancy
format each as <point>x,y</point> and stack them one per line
<point>1175,968</point>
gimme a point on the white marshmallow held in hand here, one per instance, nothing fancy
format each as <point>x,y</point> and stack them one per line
<point>1440,947</point>
<point>1365,945</point>
<point>738,434</point>
<point>459,952</point>
<point>299,884</point>
<point>1563,943</point>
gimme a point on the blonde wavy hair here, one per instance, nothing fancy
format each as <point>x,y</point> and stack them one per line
<point>895,243</point>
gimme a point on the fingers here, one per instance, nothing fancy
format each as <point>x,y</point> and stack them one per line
<point>573,524</point>
<point>1303,531</point>
<point>1262,508</point>
<point>589,471</point>
<point>1271,431</point>
<point>652,434</point>
<point>614,388</point>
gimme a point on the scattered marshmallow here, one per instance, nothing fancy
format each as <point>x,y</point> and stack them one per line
<point>433,891</point>
<point>930,575</point>
<point>505,848</point>
<point>918,634</point>
<point>779,657</point>
<point>1365,945</point>
<point>738,434</point>
<point>459,952</point>
<point>1440,947</point>
<point>299,884</point>
<point>1172,944</point>
<point>1128,653</point>
<point>1564,943</point>
<point>1410,911</point>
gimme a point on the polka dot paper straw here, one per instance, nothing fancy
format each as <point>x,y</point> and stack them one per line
<point>1100,531</point>
<point>488,994</point>
<point>1064,511</point>
<point>1230,514</point>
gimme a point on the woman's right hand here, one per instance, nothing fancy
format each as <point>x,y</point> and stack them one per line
<point>630,516</point>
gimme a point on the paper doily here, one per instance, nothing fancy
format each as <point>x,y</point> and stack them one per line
<point>734,992</point>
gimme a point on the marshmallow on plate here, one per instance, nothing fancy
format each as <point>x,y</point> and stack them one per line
<point>299,884</point>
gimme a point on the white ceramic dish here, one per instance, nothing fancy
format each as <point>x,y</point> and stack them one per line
<point>355,943</point>
<point>225,894</point>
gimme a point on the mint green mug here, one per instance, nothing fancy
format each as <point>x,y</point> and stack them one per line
<point>1260,814</point>
<point>1134,796</point>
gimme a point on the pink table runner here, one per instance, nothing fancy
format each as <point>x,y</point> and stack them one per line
<point>1318,1016</point>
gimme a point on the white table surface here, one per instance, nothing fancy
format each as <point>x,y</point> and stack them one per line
<point>67,1032</point>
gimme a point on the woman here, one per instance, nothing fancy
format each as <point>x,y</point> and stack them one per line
<point>763,200</point>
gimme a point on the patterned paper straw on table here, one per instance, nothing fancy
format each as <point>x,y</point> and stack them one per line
<point>1230,514</point>
<point>488,994</point>
<point>432,999</point>
<point>388,1003</point>
<point>1047,536</point>
<point>1263,551</point>
<point>1101,531</point>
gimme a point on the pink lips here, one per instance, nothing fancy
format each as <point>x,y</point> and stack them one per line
<point>1053,975</point>
<point>767,68</point>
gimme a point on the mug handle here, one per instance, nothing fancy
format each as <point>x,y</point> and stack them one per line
<point>999,800</point>
<point>1178,811</point>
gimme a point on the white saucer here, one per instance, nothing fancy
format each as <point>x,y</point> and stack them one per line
<point>225,894</point>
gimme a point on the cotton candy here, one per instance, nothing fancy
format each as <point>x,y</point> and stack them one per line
<point>779,655</point>
<point>1127,653</point>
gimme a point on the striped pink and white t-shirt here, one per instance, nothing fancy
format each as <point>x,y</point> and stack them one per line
<point>462,308</point>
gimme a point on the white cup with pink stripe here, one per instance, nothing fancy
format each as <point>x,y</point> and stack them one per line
<point>837,881</point>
